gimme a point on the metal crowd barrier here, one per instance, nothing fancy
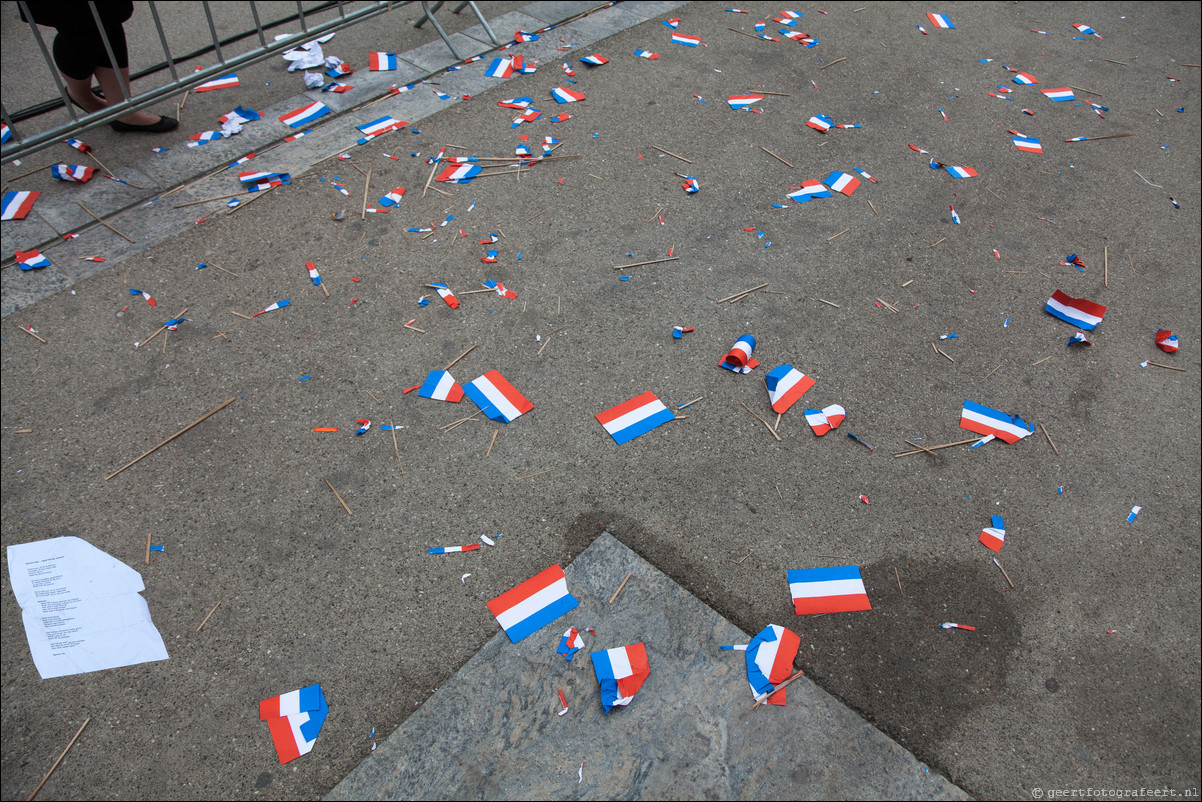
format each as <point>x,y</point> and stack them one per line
<point>23,144</point>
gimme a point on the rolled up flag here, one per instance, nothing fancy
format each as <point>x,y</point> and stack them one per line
<point>225,82</point>
<point>1081,313</point>
<point>78,144</point>
<point>994,536</point>
<point>786,384</point>
<point>364,426</point>
<point>740,354</point>
<point>985,421</point>
<point>500,289</point>
<point>1166,341</point>
<point>823,420</point>
<point>828,590</point>
<point>690,184</point>
<point>595,60</point>
<point>445,293</point>
<point>646,54</point>
<point>955,216</point>
<point>313,274</point>
<point>145,295</point>
<point>453,549</point>
<point>273,307</point>
<point>621,672</point>
<point>441,386</point>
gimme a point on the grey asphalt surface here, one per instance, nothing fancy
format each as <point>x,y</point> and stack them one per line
<point>1085,675</point>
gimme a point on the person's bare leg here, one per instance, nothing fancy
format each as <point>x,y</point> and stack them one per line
<point>112,92</point>
<point>81,92</point>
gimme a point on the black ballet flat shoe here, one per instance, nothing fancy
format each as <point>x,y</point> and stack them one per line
<point>164,125</point>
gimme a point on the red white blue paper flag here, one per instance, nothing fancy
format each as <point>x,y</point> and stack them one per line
<point>842,182</point>
<point>789,15</point>
<point>1099,109</point>
<point>490,258</point>
<point>621,672</point>
<point>313,274</point>
<point>516,103</point>
<point>595,60</point>
<point>341,188</point>
<point>820,123</point>
<point>687,41</point>
<point>294,720</point>
<point>810,188</point>
<point>17,205</point>
<point>690,184</point>
<point>1025,80</point>
<point>453,549</point>
<point>561,118</point>
<point>786,384</point>
<point>533,604</point>
<point>204,138</point>
<point>632,418</point>
<point>1166,341</point>
<point>770,661</point>
<point>72,172</point>
<point>380,126</point>
<point>940,20</point>
<point>5,133</point>
<point>500,289</point>
<point>499,399</point>
<point>339,70</point>
<point>570,643</point>
<point>225,82</point>
<point>243,160</point>
<point>567,70</point>
<point>994,536</point>
<point>922,30</point>
<point>441,386</point>
<point>239,116</point>
<point>145,295</point>
<point>1079,339</point>
<point>743,101</point>
<point>528,116</point>
<point>459,173</point>
<point>32,260</point>
<point>1027,144</point>
<point>78,144</point>
<point>295,137</point>
<point>736,11</point>
<point>274,182</point>
<point>563,95</point>
<point>828,590</point>
<point>985,421</point>
<point>500,68</point>
<point>1057,95</point>
<point>646,54</point>
<point>174,323</point>
<point>525,36</point>
<point>1081,313</point>
<point>672,23</point>
<point>445,293</point>
<point>768,38</point>
<point>364,426</point>
<point>823,420</point>
<point>955,171</point>
<point>273,307</point>
<point>522,151</point>
<point>740,354</point>
<point>1134,512</point>
<point>392,198</point>
<point>798,36</point>
<point>951,625</point>
<point>1086,30</point>
<point>955,216</point>
<point>381,62</point>
<point>305,115</point>
<point>865,174</point>
<point>257,177</point>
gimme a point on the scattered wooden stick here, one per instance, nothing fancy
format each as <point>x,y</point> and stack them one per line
<point>366,186</point>
<point>936,448</point>
<point>761,420</point>
<point>239,314</point>
<point>832,63</point>
<point>162,329</point>
<point>528,219</point>
<point>740,562</point>
<point>744,292</point>
<point>840,234</point>
<point>540,473</point>
<point>433,167</point>
<point>235,275</point>
<point>1106,257</point>
<point>29,331</point>
<point>1123,63</point>
<point>887,305</point>
<point>207,617</point>
<point>766,92</point>
<point>373,398</point>
<point>774,691</point>
<point>650,262</point>
<point>773,155</point>
<point>31,172</point>
<point>456,359</point>
<point>619,590</point>
<point>1045,434</point>
<point>1092,138</point>
<point>916,445</point>
<point>449,426</point>
<point>102,222</point>
<point>213,411</point>
<point>1045,359</point>
<point>990,373</point>
<point>60,760</point>
<point>689,404</point>
<point>148,548</point>
<point>944,353</point>
<point>1167,367</point>
<point>828,303</point>
<point>933,244</point>
<point>208,200</point>
<point>874,211</point>
<point>744,33</point>
<point>415,328</point>
<point>1086,91</point>
<point>898,576</point>
<point>673,155</point>
<point>395,449</point>
<point>908,283</point>
<point>1003,570</point>
<point>340,501</point>
<point>495,432</point>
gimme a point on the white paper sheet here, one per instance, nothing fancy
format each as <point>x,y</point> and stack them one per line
<point>81,608</point>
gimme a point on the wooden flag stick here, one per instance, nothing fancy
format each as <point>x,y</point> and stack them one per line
<point>366,186</point>
<point>207,617</point>
<point>395,449</point>
<point>102,222</point>
<point>1045,434</point>
<point>761,420</point>
<point>31,172</point>
<point>673,155</point>
<point>651,262</point>
<point>31,334</point>
<point>148,548</point>
<point>1086,91</point>
<point>1092,138</point>
<point>840,234</point>
<point>1106,257</point>
<point>773,692</point>
<point>619,590</point>
<point>433,167</point>
<point>203,417</point>
<point>828,303</point>
<point>1003,570</point>
<point>544,211</point>
<point>744,292</point>
<point>207,200</point>
<point>60,759</point>
<point>990,373</point>
<point>456,359</point>
<point>340,501</point>
<point>916,445</point>
<point>744,33</point>
<point>539,473</point>
<point>1045,359</point>
<point>773,155</point>
<point>936,448</point>
<point>495,432</point>
<point>162,329</point>
<point>1168,367</point>
<point>832,63</point>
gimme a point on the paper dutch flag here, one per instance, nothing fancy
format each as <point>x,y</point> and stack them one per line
<point>646,54</point>
<point>145,295</point>
<point>501,67</point>
<point>770,661</point>
<point>339,70</point>
<point>823,420</point>
<point>525,36</point>
<point>828,590</point>
<point>337,88</point>
<point>739,356</point>
<point>672,23</point>
<point>453,549</point>
<point>1081,313</point>
<point>380,126</point>
<point>842,182</point>
<point>305,114</point>
<point>563,95</point>
<point>500,289</point>
<point>273,307</point>
<point>811,188</point>
<point>5,133</point>
<point>1027,144</point>
<point>499,399</point>
<point>1025,80</point>
<point>994,536</point>
<point>527,116</point>
<point>985,421</point>
<point>225,82</point>
<point>204,138</point>
<point>1166,341</point>
<point>621,672</point>
<point>743,101</point>
<point>687,41</point>
<point>259,177</point>
<point>595,60</point>
<point>393,197</point>
<point>637,416</point>
<point>441,386</point>
<point>1078,339</point>
<point>18,204</point>
<point>78,144</point>
<point>955,171</point>
<point>381,62</point>
<point>940,20</point>
<point>1086,30</point>
<point>820,123</point>
<point>1058,95</point>
<point>445,293</point>
<point>561,118</point>
<point>570,643</point>
<point>459,173</point>
<point>32,260</point>
<point>533,604</point>
<point>786,384</point>
<point>294,719</point>
<point>313,274</point>
<point>516,103</point>
<point>72,172</point>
